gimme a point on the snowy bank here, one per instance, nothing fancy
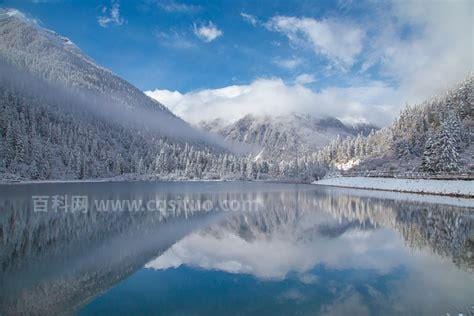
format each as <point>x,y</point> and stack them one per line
<point>441,187</point>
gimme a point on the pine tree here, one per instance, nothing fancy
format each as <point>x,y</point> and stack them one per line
<point>447,146</point>
<point>428,163</point>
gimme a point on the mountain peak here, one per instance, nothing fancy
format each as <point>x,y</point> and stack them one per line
<point>14,13</point>
<point>18,18</point>
<point>45,54</point>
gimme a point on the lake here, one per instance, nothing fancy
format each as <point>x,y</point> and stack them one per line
<point>232,248</point>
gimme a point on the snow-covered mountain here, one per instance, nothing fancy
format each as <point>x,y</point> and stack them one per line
<point>64,117</point>
<point>434,137</point>
<point>47,55</point>
<point>285,136</point>
<point>42,52</point>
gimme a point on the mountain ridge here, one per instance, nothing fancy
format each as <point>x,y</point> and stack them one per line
<point>284,137</point>
<point>57,59</point>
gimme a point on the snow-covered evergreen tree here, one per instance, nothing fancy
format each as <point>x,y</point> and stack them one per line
<point>447,145</point>
<point>429,163</point>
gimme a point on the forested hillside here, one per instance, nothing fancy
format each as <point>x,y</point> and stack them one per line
<point>433,137</point>
<point>64,117</point>
<point>48,132</point>
<point>40,140</point>
<point>44,140</point>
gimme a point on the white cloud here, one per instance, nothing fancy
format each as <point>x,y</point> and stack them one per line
<point>305,79</point>
<point>432,58</point>
<point>174,39</point>
<point>208,32</point>
<point>177,7</point>
<point>371,102</point>
<point>111,15</point>
<point>284,254</point>
<point>289,63</point>
<point>340,42</point>
<point>249,18</point>
<point>435,57</point>
<point>273,257</point>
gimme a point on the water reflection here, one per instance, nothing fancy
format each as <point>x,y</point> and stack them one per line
<point>330,227</point>
<point>56,262</point>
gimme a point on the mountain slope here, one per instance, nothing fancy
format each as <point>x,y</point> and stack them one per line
<point>57,59</point>
<point>48,56</point>
<point>64,117</point>
<point>284,137</point>
<point>435,137</point>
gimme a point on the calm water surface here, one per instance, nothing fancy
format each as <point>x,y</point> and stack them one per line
<point>231,249</point>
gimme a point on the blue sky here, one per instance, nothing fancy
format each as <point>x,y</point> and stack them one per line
<point>353,59</point>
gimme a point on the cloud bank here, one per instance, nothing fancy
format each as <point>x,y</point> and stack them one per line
<point>275,97</point>
<point>277,256</point>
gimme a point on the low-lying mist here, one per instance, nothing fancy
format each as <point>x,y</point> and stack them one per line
<point>80,101</point>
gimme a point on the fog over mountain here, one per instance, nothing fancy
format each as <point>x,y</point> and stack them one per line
<point>43,54</point>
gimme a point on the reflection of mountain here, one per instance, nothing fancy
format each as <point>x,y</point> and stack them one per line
<point>445,230</point>
<point>55,262</point>
<point>306,219</point>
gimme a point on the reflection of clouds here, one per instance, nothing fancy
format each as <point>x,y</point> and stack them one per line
<point>401,241</point>
<point>292,295</point>
<point>275,257</point>
<point>59,255</point>
<point>350,304</point>
<point>308,278</point>
<point>434,283</point>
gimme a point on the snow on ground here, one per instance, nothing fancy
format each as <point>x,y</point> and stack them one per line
<point>443,187</point>
<point>406,197</point>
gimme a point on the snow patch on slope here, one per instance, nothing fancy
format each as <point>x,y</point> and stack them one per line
<point>347,165</point>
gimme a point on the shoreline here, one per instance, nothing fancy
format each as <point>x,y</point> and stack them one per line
<point>452,188</point>
<point>462,200</point>
<point>360,183</point>
<point>108,180</point>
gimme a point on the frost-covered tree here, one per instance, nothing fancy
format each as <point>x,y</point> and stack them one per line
<point>429,162</point>
<point>447,145</point>
<point>433,136</point>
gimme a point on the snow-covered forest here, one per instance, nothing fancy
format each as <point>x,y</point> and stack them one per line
<point>433,137</point>
<point>44,141</point>
<point>64,117</point>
